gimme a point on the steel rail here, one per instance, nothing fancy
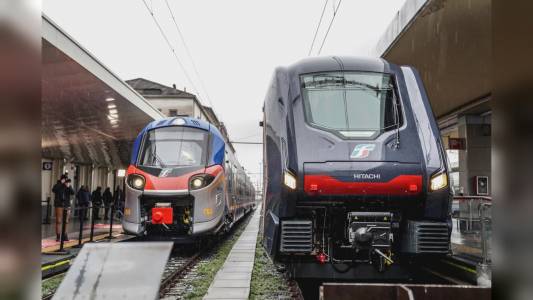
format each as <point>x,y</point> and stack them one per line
<point>177,274</point>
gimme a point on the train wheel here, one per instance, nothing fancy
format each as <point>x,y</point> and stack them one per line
<point>227,224</point>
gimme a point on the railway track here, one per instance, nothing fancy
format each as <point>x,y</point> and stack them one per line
<point>449,271</point>
<point>294,290</point>
<point>180,264</point>
<point>177,267</point>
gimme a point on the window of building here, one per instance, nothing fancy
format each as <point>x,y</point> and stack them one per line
<point>152,91</point>
<point>172,112</point>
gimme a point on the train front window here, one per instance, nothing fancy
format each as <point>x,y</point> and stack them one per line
<point>174,146</point>
<point>352,104</point>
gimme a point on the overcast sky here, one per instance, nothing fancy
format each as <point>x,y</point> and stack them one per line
<point>235,44</point>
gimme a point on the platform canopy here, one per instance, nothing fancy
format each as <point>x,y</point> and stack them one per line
<point>89,115</point>
<point>449,42</point>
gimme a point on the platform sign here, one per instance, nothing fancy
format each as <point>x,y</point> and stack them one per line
<point>126,270</point>
<point>456,143</point>
<point>47,166</point>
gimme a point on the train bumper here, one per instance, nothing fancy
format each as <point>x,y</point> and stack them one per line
<point>209,226</point>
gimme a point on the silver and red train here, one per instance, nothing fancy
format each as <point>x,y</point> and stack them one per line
<point>184,182</point>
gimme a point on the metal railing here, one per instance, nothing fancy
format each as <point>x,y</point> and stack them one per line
<point>81,215</point>
<point>48,213</point>
<point>469,212</point>
<point>483,207</point>
<point>475,212</point>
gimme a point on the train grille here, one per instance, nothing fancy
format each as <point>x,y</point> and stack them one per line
<point>296,236</point>
<point>430,237</point>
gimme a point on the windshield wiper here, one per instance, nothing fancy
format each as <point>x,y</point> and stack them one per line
<point>160,161</point>
<point>156,158</point>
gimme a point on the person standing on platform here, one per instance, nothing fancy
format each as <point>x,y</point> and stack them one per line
<point>108,200</point>
<point>58,190</point>
<point>96,198</point>
<point>84,199</point>
<point>67,194</point>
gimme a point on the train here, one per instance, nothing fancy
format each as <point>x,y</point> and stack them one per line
<point>184,182</point>
<point>355,173</point>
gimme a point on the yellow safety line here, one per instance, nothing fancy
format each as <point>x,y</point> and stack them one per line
<point>461,267</point>
<point>47,267</point>
<point>55,265</point>
<point>71,243</point>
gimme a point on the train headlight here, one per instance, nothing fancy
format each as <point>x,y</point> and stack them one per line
<point>289,180</point>
<point>136,181</point>
<point>197,182</point>
<point>439,181</point>
<point>200,181</point>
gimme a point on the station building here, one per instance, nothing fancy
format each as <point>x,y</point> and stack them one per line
<point>449,42</point>
<point>173,102</point>
<point>168,100</point>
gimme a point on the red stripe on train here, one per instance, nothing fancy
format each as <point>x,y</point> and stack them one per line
<point>327,185</point>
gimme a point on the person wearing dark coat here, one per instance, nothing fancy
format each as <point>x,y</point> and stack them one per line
<point>58,190</point>
<point>96,198</point>
<point>108,201</point>
<point>66,202</point>
<point>84,199</point>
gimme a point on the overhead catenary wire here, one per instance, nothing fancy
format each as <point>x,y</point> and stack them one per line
<point>317,27</point>
<point>189,54</point>
<point>248,136</point>
<point>329,27</point>
<point>151,12</point>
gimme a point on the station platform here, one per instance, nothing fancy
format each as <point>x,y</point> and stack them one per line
<point>53,262</point>
<point>232,281</point>
<point>48,235</point>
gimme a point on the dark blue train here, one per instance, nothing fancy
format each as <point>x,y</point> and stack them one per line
<point>356,177</point>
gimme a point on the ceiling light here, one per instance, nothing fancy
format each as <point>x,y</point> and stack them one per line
<point>109,99</point>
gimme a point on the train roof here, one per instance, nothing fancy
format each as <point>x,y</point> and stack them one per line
<point>334,63</point>
<point>177,121</point>
<point>182,121</point>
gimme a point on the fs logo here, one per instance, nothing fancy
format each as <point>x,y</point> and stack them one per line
<point>362,150</point>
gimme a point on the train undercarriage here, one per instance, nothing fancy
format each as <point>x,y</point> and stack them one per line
<point>337,238</point>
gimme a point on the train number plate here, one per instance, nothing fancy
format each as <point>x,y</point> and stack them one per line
<point>162,215</point>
